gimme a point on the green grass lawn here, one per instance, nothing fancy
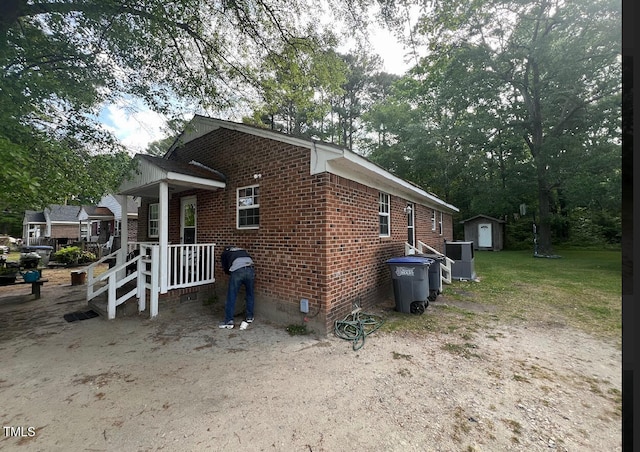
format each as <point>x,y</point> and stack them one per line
<point>582,289</point>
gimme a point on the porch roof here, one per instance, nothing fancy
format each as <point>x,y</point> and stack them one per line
<point>95,213</point>
<point>179,175</point>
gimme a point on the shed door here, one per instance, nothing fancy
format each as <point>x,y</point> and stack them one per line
<point>484,235</point>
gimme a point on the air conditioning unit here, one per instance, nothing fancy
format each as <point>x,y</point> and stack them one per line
<point>462,255</point>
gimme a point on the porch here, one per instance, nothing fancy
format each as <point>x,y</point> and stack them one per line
<point>139,276</point>
<point>147,269</point>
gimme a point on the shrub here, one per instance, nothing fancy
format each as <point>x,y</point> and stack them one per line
<point>73,255</point>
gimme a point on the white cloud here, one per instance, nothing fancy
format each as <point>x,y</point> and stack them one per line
<point>134,125</point>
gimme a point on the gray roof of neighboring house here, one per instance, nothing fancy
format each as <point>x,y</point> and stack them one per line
<point>59,213</point>
<point>32,216</point>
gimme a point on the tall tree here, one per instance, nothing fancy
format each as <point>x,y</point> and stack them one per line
<point>355,97</point>
<point>547,70</point>
<point>63,59</point>
<point>296,84</point>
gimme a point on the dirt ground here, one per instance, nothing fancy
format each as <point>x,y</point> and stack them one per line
<point>179,383</point>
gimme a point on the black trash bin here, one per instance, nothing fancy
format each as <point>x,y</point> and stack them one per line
<point>410,275</point>
<point>435,274</point>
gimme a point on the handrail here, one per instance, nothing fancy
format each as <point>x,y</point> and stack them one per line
<point>113,283</point>
<point>188,265</point>
<point>445,268</point>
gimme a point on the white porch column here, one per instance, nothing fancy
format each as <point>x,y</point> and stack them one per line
<point>121,258</point>
<point>163,232</point>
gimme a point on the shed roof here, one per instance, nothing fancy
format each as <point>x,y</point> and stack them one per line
<point>486,217</point>
<point>98,211</point>
<point>33,216</point>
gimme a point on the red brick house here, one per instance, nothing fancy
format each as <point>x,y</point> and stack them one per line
<point>319,220</point>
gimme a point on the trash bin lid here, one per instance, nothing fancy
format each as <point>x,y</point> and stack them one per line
<point>415,260</point>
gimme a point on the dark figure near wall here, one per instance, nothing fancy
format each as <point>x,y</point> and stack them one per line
<point>238,264</point>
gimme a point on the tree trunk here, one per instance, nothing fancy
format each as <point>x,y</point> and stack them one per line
<point>544,214</point>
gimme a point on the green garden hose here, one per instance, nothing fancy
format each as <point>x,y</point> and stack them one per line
<point>356,326</point>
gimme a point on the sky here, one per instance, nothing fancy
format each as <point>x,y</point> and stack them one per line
<point>136,126</point>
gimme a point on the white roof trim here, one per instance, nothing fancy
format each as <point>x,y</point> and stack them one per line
<point>202,125</point>
<point>192,181</point>
<point>324,158</point>
<point>150,175</point>
<point>355,167</point>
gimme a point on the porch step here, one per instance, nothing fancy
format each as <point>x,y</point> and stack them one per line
<point>126,309</point>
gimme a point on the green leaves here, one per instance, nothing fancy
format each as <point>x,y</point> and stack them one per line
<point>63,60</point>
<point>514,103</point>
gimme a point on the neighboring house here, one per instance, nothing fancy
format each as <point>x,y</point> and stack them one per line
<point>33,226</point>
<point>61,225</point>
<point>98,223</point>
<point>486,233</point>
<point>319,220</point>
<point>56,223</point>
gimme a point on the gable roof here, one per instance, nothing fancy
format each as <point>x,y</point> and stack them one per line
<point>153,170</point>
<point>32,216</point>
<point>61,214</point>
<point>487,217</point>
<point>325,157</point>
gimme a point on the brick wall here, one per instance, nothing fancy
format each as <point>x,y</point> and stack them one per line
<point>287,247</point>
<point>132,230</point>
<point>356,255</point>
<point>318,237</point>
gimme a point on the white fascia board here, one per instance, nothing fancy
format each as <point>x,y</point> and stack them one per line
<point>63,223</point>
<point>192,181</point>
<point>202,125</point>
<point>320,157</point>
<point>355,167</point>
<point>271,135</point>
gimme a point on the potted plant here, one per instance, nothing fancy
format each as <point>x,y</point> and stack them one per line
<point>8,274</point>
<point>29,260</point>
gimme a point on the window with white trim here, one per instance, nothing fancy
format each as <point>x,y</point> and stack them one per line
<point>433,220</point>
<point>248,206</point>
<point>383,213</point>
<point>154,220</point>
<point>440,223</point>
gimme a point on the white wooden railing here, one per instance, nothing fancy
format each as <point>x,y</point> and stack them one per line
<point>191,265</point>
<point>188,265</point>
<point>423,248</point>
<point>110,282</point>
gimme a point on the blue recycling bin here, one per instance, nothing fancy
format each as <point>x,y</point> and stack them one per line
<point>410,275</point>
